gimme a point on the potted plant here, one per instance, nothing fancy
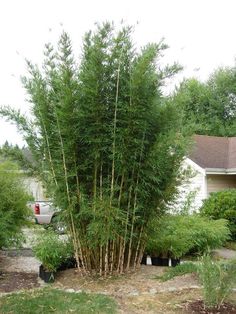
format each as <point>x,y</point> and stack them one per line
<point>159,255</point>
<point>167,242</point>
<point>172,236</point>
<point>52,251</point>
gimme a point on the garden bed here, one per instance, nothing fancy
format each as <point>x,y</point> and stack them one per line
<point>137,293</point>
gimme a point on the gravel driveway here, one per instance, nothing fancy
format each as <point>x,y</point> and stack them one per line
<point>21,260</point>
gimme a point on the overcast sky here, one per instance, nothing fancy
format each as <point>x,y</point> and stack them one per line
<point>200,33</point>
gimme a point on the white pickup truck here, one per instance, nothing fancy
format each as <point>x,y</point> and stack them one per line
<point>46,213</point>
<point>43,211</point>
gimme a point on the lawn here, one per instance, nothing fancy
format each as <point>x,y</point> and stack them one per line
<point>48,300</point>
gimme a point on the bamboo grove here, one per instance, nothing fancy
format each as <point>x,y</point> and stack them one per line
<point>105,142</point>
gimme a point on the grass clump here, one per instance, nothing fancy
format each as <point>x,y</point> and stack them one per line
<point>179,270</point>
<point>48,300</point>
<point>217,279</point>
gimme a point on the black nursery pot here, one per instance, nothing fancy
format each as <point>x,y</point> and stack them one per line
<point>165,261</point>
<point>175,262</point>
<point>69,263</point>
<point>41,272</point>
<point>144,259</point>
<point>47,276</point>
<point>156,261</point>
<point>160,261</point>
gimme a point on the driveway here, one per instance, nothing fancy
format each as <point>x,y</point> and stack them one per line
<point>225,253</point>
<point>21,260</point>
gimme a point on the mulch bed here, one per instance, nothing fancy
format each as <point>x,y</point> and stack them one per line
<point>13,281</point>
<point>198,308</point>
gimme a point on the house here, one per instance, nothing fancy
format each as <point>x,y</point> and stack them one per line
<point>213,161</point>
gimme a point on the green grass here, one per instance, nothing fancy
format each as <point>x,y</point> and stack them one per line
<point>179,270</point>
<point>43,301</point>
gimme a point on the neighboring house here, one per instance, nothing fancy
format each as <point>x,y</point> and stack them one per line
<point>213,161</point>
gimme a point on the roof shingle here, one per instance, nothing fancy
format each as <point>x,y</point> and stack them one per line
<point>214,152</point>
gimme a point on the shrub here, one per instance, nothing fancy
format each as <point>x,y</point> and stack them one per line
<point>14,212</point>
<point>217,280</point>
<point>52,250</point>
<point>177,235</point>
<point>166,239</point>
<point>222,205</point>
<point>207,234</point>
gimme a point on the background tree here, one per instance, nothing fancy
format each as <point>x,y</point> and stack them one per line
<point>14,213</point>
<point>109,150</point>
<point>21,156</point>
<point>210,107</point>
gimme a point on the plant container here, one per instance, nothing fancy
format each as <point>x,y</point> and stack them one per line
<point>144,259</point>
<point>45,275</point>
<point>69,263</point>
<point>160,261</point>
<point>175,262</point>
<point>156,261</point>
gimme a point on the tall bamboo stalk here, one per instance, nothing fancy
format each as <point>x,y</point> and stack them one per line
<point>113,169</point>
<point>100,260</point>
<point>132,227</point>
<point>77,178</point>
<point>135,205</point>
<point>106,260</point>
<point>49,150</point>
<point>76,239</point>
<point>114,130</point>
<point>101,182</point>
<point>136,259</point>
<point>126,224</point>
<point>95,184</point>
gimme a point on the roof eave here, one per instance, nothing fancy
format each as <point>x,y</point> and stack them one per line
<point>220,171</point>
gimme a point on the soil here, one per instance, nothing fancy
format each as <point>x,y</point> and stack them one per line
<point>199,308</point>
<point>141,282</point>
<point>18,270</point>
<point>136,293</point>
<point>13,281</point>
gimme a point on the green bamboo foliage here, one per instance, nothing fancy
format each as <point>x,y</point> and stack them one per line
<point>105,147</point>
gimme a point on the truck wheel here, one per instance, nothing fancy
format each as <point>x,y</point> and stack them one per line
<point>58,225</point>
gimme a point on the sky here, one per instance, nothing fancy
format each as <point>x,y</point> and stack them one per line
<point>200,34</point>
